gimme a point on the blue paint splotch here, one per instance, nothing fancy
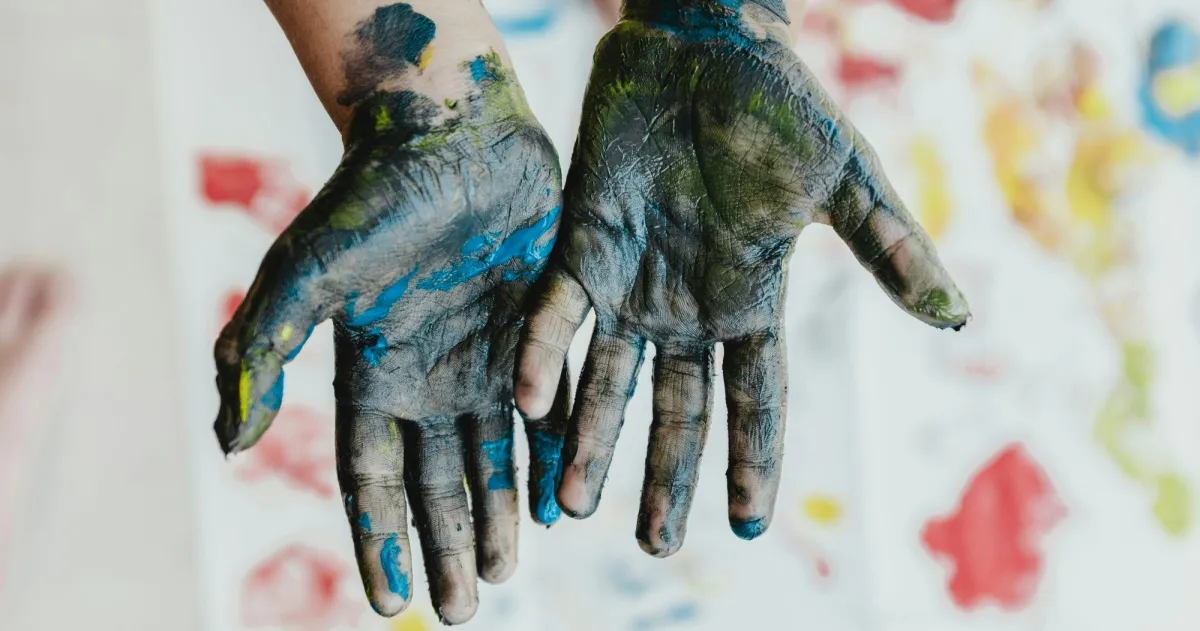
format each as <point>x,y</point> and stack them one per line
<point>296,351</point>
<point>364,521</point>
<point>383,303</point>
<point>530,245</point>
<point>483,69</point>
<point>1174,47</point>
<point>272,399</point>
<point>531,23</point>
<point>749,529</point>
<point>499,454</point>
<point>546,451</point>
<point>679,614</point>
<point>375,351</point>
<point>389,559</point>
<point>377,348</point>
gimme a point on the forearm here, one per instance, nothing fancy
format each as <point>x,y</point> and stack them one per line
<point>352,48</point>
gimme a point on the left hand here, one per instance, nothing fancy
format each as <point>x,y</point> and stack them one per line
<point>706,146</point>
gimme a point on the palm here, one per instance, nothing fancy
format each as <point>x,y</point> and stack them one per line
<point>420,248</point>
<point>703,151</point>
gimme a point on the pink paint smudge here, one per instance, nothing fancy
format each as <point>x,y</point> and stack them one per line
<point>298,450</point>
<point>300,589</point>
<point>931,10</point>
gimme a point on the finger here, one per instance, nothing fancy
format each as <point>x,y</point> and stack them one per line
<point>545,437</point>
<point>605,385</point>
<point>682,400</point>
<point>756,395</point>
<point>434,478</point>
<point>370,470</point>
<point>557,312</point>
<point>493,492</point>
<point>869,216</point>
<point>268,330</point>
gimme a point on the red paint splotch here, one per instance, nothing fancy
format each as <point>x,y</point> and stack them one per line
<point>992,542</point>
<point>299,589</point>
<point>230,303</point>
<point>858,72</point>
<point>298,450</point>
<point>263,189</point>
<point>931,10</point>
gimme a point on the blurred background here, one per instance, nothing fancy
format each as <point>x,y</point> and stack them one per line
<point>1037,471</point>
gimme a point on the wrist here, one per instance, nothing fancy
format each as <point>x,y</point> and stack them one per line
<point>699,14</point>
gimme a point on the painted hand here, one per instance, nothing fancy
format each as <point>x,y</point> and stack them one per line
<point>705,147</point>
<point>420,248</point>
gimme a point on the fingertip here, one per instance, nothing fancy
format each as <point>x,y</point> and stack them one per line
<point>497,568</point>
<point>539,372</point>
<point>457,605</point>
<point>749,529</point>
<point>534,397</point>
<point>660,543</point>
<point>385,565</point>
<point>573,496</point>
<point>545,449</point>
<point>942,308</point>
<point>547,512</point>
<point>387,604</point>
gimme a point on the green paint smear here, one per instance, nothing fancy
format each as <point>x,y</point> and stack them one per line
<point>1128,409</point>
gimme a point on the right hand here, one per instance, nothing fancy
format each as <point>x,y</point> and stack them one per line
<point>421,248</point>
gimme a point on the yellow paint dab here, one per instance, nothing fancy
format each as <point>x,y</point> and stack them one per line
<point>934,209</point>
<point>383,119</point>
<point>425,58</point>
<point>245,388</point>
<point>285,333</point>
<point>410,621</point>
<point>1177,90</point>
<point>823,509</point>
<point>1173,504</point>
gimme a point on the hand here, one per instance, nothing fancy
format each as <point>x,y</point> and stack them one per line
<point>420,248</point>
<point>705,147</point>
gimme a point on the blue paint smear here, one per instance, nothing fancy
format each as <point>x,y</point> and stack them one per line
<point>296,351</point>
<point>272,399</point>
<point>547,452</point>
<point>389,558</point>
<point>364,521</point>
<point>530,24</point>
<point>750,529</point>
<point>377,349</point>
<point>479,70</point>
<point>499,453</point>
<point>383,303</point>
<point>1173,45</point>
<point>678,614</point>
<point>522,244</point>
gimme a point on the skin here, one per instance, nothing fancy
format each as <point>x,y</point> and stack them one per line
<point>421,249</point>
<point>705,147</point>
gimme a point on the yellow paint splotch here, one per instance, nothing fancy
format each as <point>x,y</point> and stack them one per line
<point>934,209</point>
<point>411,620</point>
<point>1177,91</point>
<point>822,509</point>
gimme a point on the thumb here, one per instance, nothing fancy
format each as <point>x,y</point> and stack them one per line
<point>268,330</point>
<point>868,215</point>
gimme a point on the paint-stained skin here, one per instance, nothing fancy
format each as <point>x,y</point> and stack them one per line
<point>420,248</point>
<point>705,147</point>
